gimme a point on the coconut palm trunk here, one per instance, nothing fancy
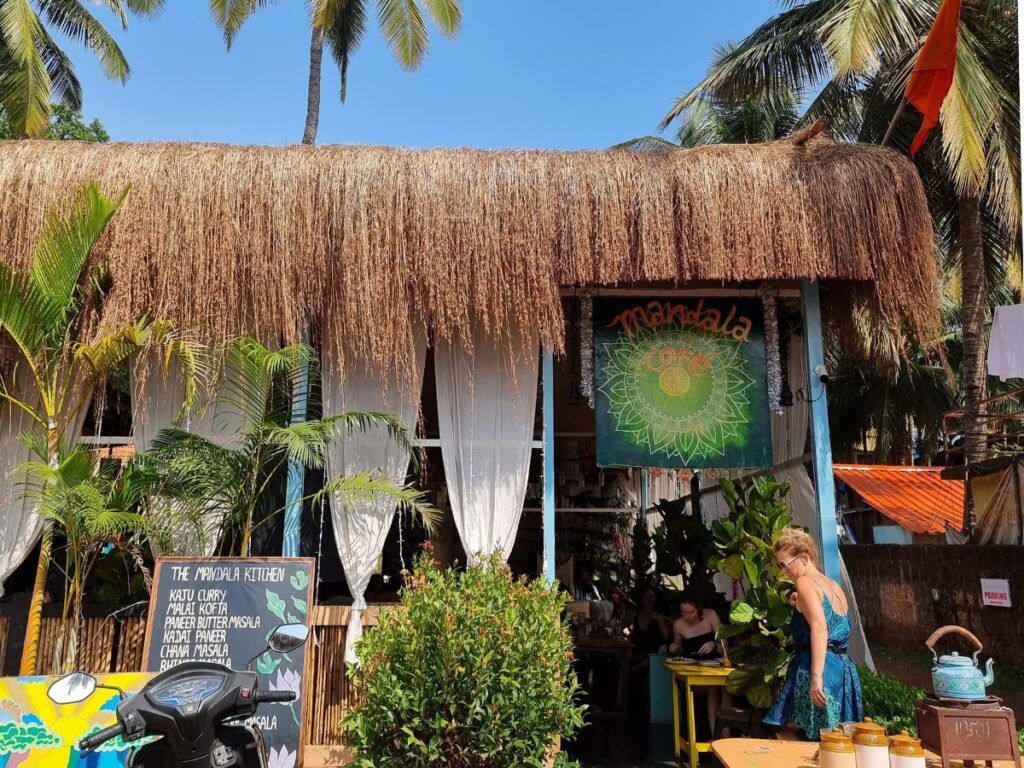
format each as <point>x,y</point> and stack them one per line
<point>975,291</point>
<point>316,57</point>
<point>34,621</point>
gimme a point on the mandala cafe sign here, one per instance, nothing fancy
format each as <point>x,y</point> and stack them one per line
<point>681,383</point>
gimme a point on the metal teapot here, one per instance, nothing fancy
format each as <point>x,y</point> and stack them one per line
<point>955,676</point>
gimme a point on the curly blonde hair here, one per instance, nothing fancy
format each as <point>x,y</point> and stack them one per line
<point>798,542</point>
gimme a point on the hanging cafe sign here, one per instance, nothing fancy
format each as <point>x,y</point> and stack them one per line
<point>681,383</point>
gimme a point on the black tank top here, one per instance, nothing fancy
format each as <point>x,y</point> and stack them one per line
<point>648,640</point>
<point>692,645</point>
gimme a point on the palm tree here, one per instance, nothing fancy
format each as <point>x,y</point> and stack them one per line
<point>754,119</point>
<point>33,67</point>
<point>49,319</point>
<point>860,54</point>
<point>235,478</point>
<point>95,504</point>
<point>342,24</point>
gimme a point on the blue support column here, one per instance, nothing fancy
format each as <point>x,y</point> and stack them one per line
<point>296,473</point>
<point>548,408</point>
<point>821,444</point>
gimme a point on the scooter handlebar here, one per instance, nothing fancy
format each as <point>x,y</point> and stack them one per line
<point>100,737</point>
<point>270,697</point>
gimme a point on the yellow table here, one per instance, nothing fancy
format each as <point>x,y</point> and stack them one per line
<point>691,676</point>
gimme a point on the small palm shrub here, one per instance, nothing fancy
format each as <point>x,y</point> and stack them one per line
<point>472,670</point>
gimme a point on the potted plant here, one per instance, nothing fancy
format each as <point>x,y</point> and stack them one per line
<point>743,547</point>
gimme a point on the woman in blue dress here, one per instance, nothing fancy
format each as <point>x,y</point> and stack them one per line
<point>822,688</point>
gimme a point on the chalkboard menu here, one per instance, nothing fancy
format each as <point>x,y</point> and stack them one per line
<point>223,610</point>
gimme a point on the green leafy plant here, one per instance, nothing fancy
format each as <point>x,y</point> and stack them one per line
<point>641,561</point>
<point>472,669</point>
<point>759,620</point>
<point>681,542</point>
<point>889,702</point>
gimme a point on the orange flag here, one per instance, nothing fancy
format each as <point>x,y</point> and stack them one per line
<point>933,72</point>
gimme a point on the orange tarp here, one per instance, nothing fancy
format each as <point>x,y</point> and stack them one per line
<point>916,498</point>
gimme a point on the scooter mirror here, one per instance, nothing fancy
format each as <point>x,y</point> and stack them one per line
<point>71,689</point>
<point>288,637</point>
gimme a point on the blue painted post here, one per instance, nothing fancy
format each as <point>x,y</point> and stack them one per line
<point>548,408</point>
<point>821,444</point>
<point>296,472</point>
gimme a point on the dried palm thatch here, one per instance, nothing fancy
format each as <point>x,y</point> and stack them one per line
<point>366,240</point>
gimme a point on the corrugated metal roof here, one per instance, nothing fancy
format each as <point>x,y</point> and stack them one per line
<point>917,498</point>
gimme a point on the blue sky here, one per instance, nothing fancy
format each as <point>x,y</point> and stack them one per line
<point>565,74</point>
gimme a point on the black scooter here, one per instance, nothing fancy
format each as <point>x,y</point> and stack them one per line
<point>197,708</point>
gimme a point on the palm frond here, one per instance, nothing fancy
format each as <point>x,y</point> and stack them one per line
<point>861,32</point>
<point>24,78</point>
<point>785,54</point>
<point>375,488</point>
<point>231,15</point>
<point>405,30</point>
<point>62,251</point>
<point>344,34</point>
<point>75,22</point>
<point>446,14</point>
<point>648,144</point>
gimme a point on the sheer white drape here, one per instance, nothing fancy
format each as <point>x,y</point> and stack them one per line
<point>486,402</point>
<point>20,525</point>
<point>789,441</point>
<point>157,397</point>
<point>362,525</point>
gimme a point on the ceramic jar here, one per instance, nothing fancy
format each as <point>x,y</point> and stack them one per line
<point>905,752</point>
<point>836,750</point>
<point>870,745</point>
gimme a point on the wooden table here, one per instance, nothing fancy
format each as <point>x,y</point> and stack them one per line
<point>768,753</point>
<point>691,676</point>
<point>598,645</point>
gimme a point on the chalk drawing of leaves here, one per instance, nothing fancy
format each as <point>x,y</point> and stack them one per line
<point>300,580</point>
<point>300,605</point>
<point>292,619</point>
<point>275,604</point>
<point>281,758</point>
<point>267,664</point>
<point>287,680</point>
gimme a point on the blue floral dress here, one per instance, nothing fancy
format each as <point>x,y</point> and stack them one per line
<point>841,683</point>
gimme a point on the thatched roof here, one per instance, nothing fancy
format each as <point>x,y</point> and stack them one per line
<point>367,239</point>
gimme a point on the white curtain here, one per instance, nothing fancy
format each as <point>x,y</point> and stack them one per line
<point>362,525</point>
<point>487,402</point>
<point>20,525</point>
<point>157,397</point>
<point>789,440</point>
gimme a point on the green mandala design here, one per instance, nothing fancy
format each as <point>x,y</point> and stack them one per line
<point>664,402</point>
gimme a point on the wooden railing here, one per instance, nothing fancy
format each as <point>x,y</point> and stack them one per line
<point>115,645</point>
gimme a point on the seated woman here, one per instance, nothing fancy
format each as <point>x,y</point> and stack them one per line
<point>822,688</point>
<point>694,637</point>
<point>693,633</point>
